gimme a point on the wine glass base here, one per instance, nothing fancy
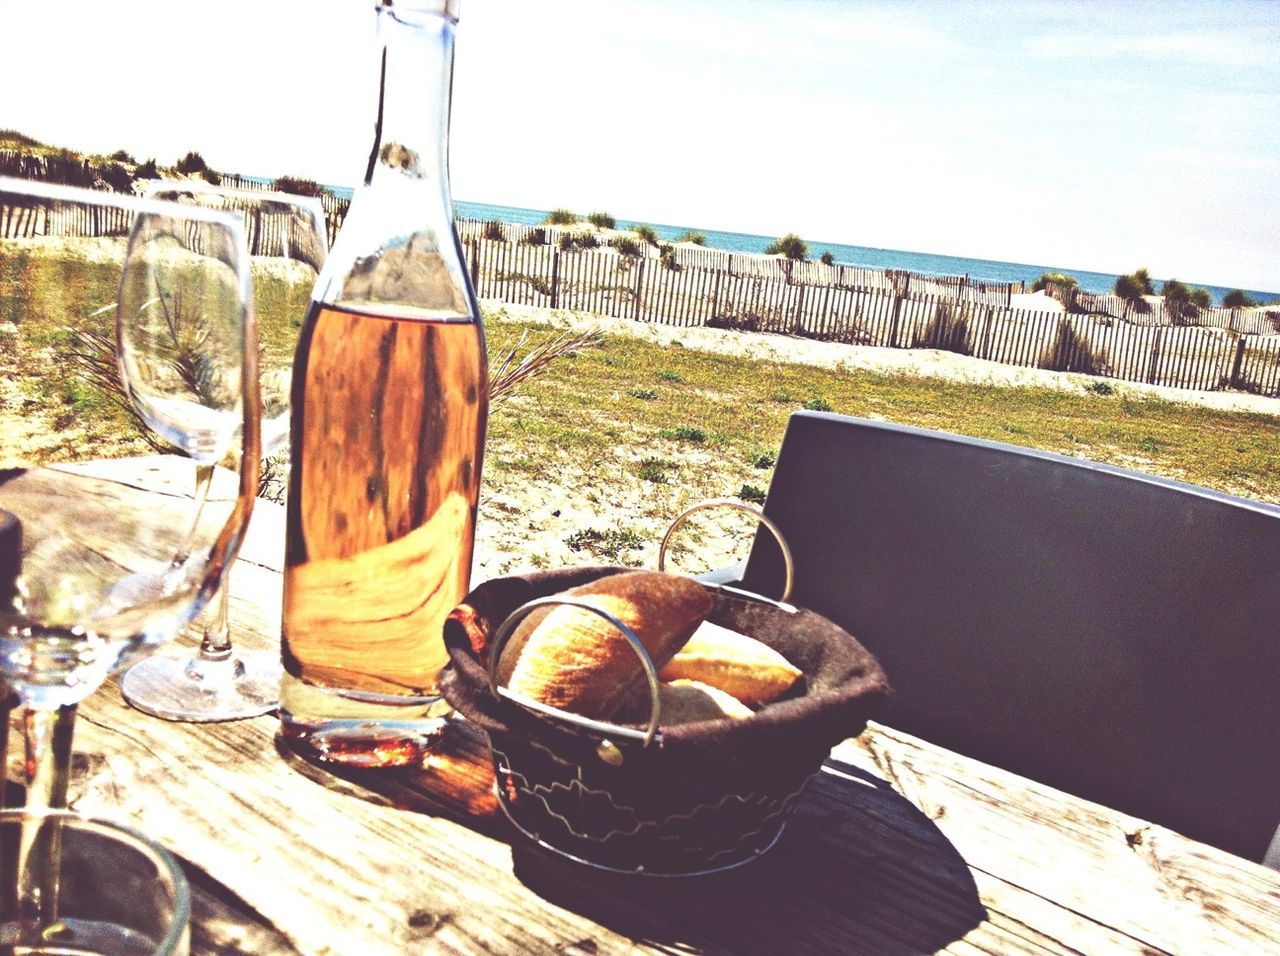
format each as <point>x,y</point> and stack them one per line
<point>200,691</point>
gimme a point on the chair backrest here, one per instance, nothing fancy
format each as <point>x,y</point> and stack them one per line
<point>1106,632</point>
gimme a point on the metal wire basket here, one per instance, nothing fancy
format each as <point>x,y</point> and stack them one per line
<point>673,801</point>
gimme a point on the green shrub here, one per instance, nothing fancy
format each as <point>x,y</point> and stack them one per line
<point>781,396</point>
<point>646,234</point>
<point>827,259</point>
<point>117,177</point>
<point>602,220</point>
<point>1181,303</point>
<point>626,245</point>
<point>817,405</point>
<point>560,217</point>
<point>122,156</point>
<point>1236,299</point>
<point>536,237</point>
<point>644,394</point>
<point>586,241</point>
<point>684,433</point>
<point>148,170</point>
<point>947,329</point>
<point>298,186</point>
<point>1100,388</point>
<point>752,493</point>
<point>791,246</point>
<point>697,238</point>
<point>606,544</point>
<point>655,470</point>
<point>1054,278</point>
<point>765,459</point>
<point>667,375</point>
<point>193,162</point>
<point>493,230</point>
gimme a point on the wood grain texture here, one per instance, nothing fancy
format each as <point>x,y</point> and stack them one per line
<point>897,847</point>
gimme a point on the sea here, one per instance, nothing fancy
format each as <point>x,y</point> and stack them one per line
<point>866,257</point>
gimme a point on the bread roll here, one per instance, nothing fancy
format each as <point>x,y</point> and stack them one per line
<point>577,661</point>
<point>747,669</point>
<point>686,701</point>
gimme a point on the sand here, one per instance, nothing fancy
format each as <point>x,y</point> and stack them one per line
<point>932,363</point>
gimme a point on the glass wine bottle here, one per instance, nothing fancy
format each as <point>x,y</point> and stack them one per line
<point>389,404</point>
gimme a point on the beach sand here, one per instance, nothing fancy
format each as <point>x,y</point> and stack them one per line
<point>932,363</point>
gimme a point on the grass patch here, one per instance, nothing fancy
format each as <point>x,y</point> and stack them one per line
<point>745,405</point>
<point>684,433</point>
<point>656,470</point>
<point>611,545</point>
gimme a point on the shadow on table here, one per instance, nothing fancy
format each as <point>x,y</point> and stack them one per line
<point>858,870</point>
<point>222,922</point>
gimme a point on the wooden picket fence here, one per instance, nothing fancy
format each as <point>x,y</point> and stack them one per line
<point>642,288</point>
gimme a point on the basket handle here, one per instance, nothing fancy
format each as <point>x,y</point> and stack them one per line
<point>508,628</point>
<point>756,513</point>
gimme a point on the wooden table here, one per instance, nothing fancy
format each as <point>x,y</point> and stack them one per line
<point>898,846</point>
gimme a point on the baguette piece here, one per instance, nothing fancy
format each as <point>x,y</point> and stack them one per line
<point>741,666</point>
<point>577,661</point>
<point>686,701</point>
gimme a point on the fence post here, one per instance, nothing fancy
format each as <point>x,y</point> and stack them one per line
<point>893,329</point>
<point>475,266</point>
<point>1238,364</point>
<point>635,299</point>
<point>555,277</point>
<point>715,296</point>
<point>796,317</point>
<point>1155,355</point>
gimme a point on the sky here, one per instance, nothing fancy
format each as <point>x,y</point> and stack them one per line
<point>1094,136</point>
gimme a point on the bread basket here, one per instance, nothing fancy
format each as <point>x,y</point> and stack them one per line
<point>674,801</point>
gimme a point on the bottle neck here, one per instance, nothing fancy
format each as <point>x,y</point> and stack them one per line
<point>397,249</point>
<point>415,81</point>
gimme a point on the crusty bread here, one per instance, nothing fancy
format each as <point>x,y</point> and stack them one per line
<point>686,701</point>
<point>577,661</point>
<point>741,666</point>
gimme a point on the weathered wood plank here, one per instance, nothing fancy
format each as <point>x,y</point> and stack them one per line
<point>897,846</point>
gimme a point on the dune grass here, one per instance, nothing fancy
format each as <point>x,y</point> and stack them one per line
<point>630,398</point>
<point>664,415</point>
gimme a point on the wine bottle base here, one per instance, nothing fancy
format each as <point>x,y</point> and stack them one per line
<point>359,729</point>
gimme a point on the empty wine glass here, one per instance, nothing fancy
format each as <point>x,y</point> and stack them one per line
<point>103,569</point>
<point>287,243</point>
<point>101,868</point>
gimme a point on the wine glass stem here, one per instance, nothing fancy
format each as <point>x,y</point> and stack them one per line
<point>204,481</point>
<point>215,646</point>
<point>48,755</point>
<point>46,769</point>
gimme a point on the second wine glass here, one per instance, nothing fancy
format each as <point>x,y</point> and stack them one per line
<point>288,242</point>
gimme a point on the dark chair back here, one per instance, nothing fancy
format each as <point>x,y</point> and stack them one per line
<point>1106,632</point>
